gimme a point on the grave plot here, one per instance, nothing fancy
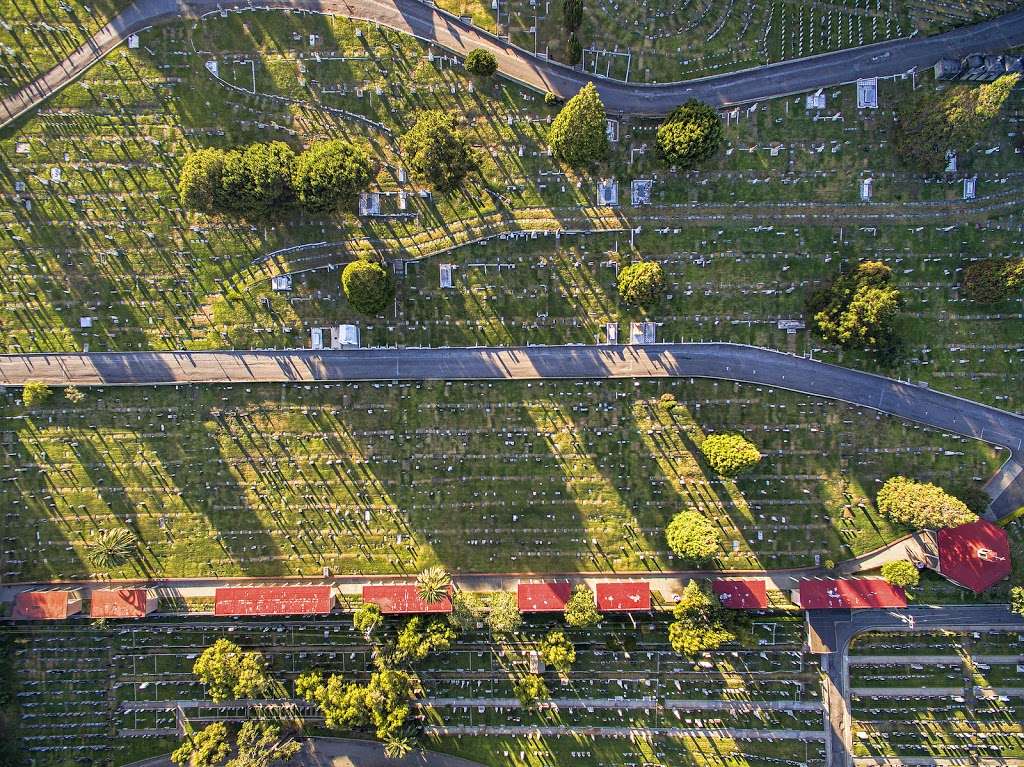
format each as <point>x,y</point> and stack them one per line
<point>934,695</point>
<point>615,702</point>
<point>583,475</point>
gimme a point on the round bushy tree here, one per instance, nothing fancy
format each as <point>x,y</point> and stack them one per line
<point>229,673</point>
<point>730,454</point>
<point>558,652</point>
<point>692,536</point>
<point>368,286</point>
<point>258,180</point>
<point>578,135</point>
<point>858,308</point>
<point>921,505</point>
<point>200,179</point>
<point>642,284</point>
<point>698,624</point>
<point>901,572</point>
<point>581,610</point>
<point>481,63</point>
<point>437,151</point>
<point>504,617</point>
<point>34,393</point>
<point>330,175</point>
<point>691,134</point>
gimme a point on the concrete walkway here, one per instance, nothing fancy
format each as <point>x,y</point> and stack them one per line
<point>428,23</point>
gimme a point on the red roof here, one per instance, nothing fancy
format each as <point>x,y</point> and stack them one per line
<point>543,597</point>
<point>399,600</point>
<point>52,605</point>
<point>975,556</point>
<point>741,594</point>
<point>121,603</point>
<point>273,600</point>
<point>623,596</point>
<point>850,593</point>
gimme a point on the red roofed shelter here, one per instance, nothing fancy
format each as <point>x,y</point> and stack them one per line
<point>975,556</point>
<point>47,605</point>
<point>543,597</point>
<point>849,594</point>
<point>741,594</point>
<point>122,603</point>
<point>623,596</point>
<point>404,600</point>
<point>273,600</point>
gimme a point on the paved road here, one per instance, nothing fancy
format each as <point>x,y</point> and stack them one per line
<point>428,23</point>
<point>733,362</point>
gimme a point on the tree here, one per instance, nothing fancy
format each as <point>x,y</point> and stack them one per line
<point>581,610</point>
<point>558,652</point>
<point>578,135</point>
<point>467,610</point>
<point>230,673</point>
<point>993,279</point>
<point>572,14</point>
<point>573,50</point>
<point>383,702</point>
<point>1017,599</point>
<point>437,151</point>
<point>368,286</point>
<point>207,748</point>
<point>642,283</point>
<point>112,548</point>
<point>34,393</point>
<point>698,624</point>
<point>921,505</point>
<point>367,618</point>
<point>530,690</point>
<point>73,394</point>
<point>992,96</point>
<point>730,454</point>
<point>901,572</point>
<point>692,536</point>
<point>504,617</point>
<point>481,63</point>
<point>691,134</point>
<point>415,643</point>
<point>858,308</point>
<point>257,181</point>
<point>329,175</point>
<point>200,181</point>
<point>434,585</point>
<point>974,497</point>
<point>260,744</point>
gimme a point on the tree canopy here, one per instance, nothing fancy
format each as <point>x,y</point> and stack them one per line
<point>901,572</point>
<point>481,63</point>
<point>383,702</point>
<point>257,181</point>
<point>578,135</point>
<point>690,134</point>
<point>730,454</point>
<point>200,180</point>
<point>437,151</point>
<point>368,286</point>
<point>558,652</point>
<point>581,610</point>
<point>504,617</point>
<point>530,690</point>
<point>692,536</point>
<point>1017,599</point>
<point>921,505</point>
<point>433,584</point>
<point>993,279</point>
<point>858,308</point>
<point>572,14</point>
<point>229,673</point>
<point>34,393</point>
<point>642,283</point>
<point>329,175</point>
<point>467,610</point>
<point>698,625</point>
<point>416,641</point>
<point>367,618</point>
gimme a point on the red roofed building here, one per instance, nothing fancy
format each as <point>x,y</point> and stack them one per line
<point>623,596</point>
<point>543,597</point>
<point>122,603</point>
<point>273,600</point>
<point>741,594</point>
<point>849,594</point>
<point>49,605</point>
<point>975,556</point>
<point>404,600</point>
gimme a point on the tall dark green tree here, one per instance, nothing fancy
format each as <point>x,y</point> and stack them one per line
<point>572,14</point>
<point>578,135</point>
<point>481,63</point>
<point>437,151</point>
<point>200,180</point>
<point>329,175</point>
<point>257,181</point>
<point>858,309</point>
<point>368,286</point>
<point>691,134</point>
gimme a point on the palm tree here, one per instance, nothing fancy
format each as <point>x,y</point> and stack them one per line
<point>433,584</point>
<point>112,547</point>
<point>397,746</point>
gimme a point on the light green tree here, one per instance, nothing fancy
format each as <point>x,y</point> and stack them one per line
<point>581,609</point>
<point>692,536</point>
<point>921,505</point>
<point>229,673</point>
<point>367,618</point>
<point>530,690</point>
<point>558,652</point>
<point>504,617</point>
<point>34,393</point>
<point>467,610</point>
<point>691,134</point>
<point>901,572</point>
<point>730,454</point>
<point>437,151</point>
<point>200,181</point>
<point>698,622</point>
<point>641,283</point>
<point>209,747</point>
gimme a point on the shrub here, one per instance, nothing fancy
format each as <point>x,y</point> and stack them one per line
<point>1017,599</point>
<point>642,283</point>
<point>200,180</point>
<point>73,394</point>
<point>578,135</point>
<point>368,286</point>
<point>552,98</point>
<point>437,151</point>
<point>691,134</point>
<point>921,505</point>
<point>901,572</point>
<point>330,175</point>
<point>730,454</point>
<point>482,63</point>
<point>692,536</point>
<point>34,393</point>
<point>581,609</point>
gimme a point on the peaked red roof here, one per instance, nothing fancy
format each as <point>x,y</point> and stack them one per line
<point>53,605</point>
<point>741,594</point>
<point>273,600</point>
<point>623,596</point>
<point>850,594</point>
<point>543,597</point>
<point>975,556</point>
<point>121,603</point>
<point>400,600</point>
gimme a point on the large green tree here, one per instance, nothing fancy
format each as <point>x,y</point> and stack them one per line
<point>698,625</point>
<point>530,690</point>
<point>578,135</point>
<point>467,610</point>
<point>558,652</point>
<point>257,181</point>
<point>858,308</point>
<point>993,279</point>
<point>228,672</point>
<point>641,283</point>
<point>200,180</point>
<point>368,286</point>
<point>730,454</point>
<point>481,63</point>
<point>383,702</point>
<point>437,151</point>
<point>581,609</point>
<point>692,536</point>
<point>504,617</point>
<point>329,175</point>
<point>921,504</point>
<point>691,134</point>
<point>901,572</point>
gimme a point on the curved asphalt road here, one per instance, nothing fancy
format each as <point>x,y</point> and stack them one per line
<point>733,362</point>
<point>428,23</point>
